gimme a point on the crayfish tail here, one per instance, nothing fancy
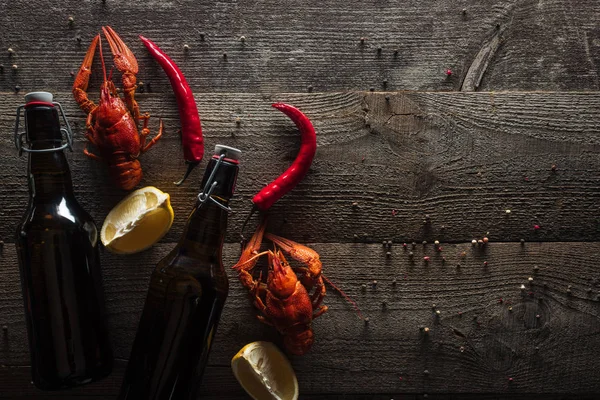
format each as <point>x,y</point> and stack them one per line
<point>126,174</point>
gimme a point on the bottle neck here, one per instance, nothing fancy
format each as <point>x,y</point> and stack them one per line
<point>49,176</point>
<point>207,225</point>
<point>48,173</point>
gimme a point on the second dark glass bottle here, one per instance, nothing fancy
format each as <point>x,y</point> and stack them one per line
<point>187,293</point>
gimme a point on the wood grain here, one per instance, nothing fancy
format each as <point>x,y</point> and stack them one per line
<point>474,346</point>
<point>291,46</point>
<point>461,158</point>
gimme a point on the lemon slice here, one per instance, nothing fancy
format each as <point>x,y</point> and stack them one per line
<point>264,372</point>
<point>138,221</point>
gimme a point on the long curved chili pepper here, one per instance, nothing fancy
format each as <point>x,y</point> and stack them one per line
<point>264,199</point>
<point>191,130</point>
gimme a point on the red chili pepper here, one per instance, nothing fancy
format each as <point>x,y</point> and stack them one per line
<point>294,174</point>
<point>191,131</point>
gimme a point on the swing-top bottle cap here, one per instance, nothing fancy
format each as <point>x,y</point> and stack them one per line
<point>230,152</point>
<point>38,97</point>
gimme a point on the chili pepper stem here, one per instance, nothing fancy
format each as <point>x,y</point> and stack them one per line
<point>252,211</point>
<point>190,166</point>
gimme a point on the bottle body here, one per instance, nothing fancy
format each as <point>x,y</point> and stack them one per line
<point>188,289</point>
<point>61,283</point>
<point>182,310</point>
<point>57,245</point>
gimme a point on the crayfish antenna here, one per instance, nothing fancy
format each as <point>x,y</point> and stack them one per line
<point>344,295</point>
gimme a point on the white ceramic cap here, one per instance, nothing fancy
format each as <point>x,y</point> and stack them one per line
<point>44,97</point>
<point>230,152</point>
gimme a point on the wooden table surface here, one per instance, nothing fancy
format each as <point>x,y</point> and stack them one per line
<point>399,140</point>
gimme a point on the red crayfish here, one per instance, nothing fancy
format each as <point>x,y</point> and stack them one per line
<point>112,125</point>
<point>284,301</point>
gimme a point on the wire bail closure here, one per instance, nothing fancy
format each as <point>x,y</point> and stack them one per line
<point>66,131</point>
<point>210,186</point>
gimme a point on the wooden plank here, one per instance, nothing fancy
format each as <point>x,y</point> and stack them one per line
<point>291,46</point>
<point>461,158</point>
<point>474,346</point>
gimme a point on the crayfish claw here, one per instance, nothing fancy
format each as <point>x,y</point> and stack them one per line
<point>82,79</point>
<point>124,59</point>
<point>125,62</point>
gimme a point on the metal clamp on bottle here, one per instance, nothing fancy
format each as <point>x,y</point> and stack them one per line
<point>65,131</point>
<point>205,194</point>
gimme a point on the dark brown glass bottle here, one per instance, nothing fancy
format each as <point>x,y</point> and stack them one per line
<point>187,292</point>
<point>57,243</point>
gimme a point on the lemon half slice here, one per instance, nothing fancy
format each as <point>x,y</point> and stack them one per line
<point>264,372</point>
<point>138,221</point>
